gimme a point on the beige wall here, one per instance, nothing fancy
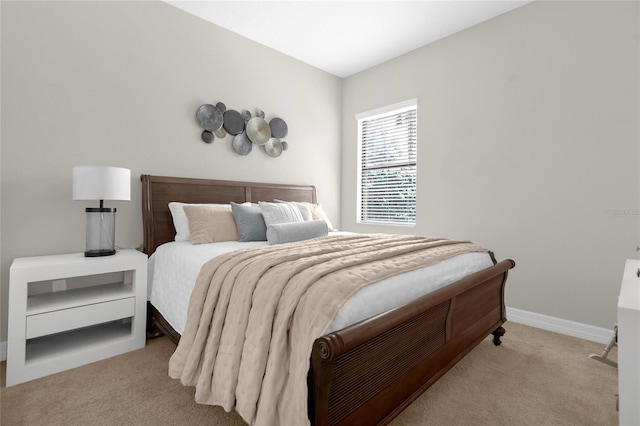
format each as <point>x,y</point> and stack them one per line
<point>528,131</point>
<point>118,83</point>
<point>528,143</point>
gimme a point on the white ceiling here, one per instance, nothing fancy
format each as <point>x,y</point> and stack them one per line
<point>345,37</point>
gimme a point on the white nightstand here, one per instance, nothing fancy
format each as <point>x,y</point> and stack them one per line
<point>55,331</point>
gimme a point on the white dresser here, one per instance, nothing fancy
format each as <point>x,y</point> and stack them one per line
<point>629,344</point>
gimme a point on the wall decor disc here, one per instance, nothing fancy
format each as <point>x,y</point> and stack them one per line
<point>233,122</point>
<point>260,113</point>
<point>246,115</point>
<point>241,144</point>
<point>273,147</point>
<point>222,107</point>
<point>207,136</point>
<point>209,117</point>
<point>279,128</point>
<point>285,145</point>
<point>258,130</point>
<point>220,133</point>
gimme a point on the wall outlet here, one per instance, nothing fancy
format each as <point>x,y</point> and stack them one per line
<point>59,285</point>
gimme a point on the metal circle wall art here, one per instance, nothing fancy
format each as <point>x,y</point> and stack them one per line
<point>279,128</point>
<point>273,147</point>
<point>207,136</point>
<point>233,122</point>
<point>247,129</point>
<point>241,144</point>
<point>258,130</point>
<point>209,117</point>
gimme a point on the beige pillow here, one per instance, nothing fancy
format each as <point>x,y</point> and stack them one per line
<point>211,224</point>
<point>180,221</point>
<point>317,213</point>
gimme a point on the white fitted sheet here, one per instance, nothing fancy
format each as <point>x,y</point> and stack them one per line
<point>174,267</point>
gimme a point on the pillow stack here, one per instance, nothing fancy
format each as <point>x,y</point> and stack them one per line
<point>277,222</point>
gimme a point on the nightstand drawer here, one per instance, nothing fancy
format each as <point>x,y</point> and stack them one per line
<point>83,316</point>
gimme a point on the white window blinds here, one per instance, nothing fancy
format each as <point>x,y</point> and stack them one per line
<point>387,165</point>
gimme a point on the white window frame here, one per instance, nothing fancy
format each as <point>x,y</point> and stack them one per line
<point>400,107</point>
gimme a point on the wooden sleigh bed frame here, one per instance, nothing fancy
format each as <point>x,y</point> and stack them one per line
<point>368,372</point>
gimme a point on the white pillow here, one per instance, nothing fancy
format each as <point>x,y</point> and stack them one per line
<point>275,213</point>
<point>305,208</point>
<point>180,221</point>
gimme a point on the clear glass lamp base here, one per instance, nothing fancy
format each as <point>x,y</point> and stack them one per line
<point>101,232</point>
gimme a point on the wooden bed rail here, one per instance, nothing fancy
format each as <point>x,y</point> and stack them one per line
<point>336,343</point>
<point>356,373</point>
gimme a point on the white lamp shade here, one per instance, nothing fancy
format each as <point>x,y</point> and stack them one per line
<point>101,183</point>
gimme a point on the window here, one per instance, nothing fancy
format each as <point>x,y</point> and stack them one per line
<point>387,144</point>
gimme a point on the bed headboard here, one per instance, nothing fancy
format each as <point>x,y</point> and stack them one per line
<point>159,191</point>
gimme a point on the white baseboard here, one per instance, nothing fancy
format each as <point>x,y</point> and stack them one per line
<point>559,325</point>
<point>545,322</point>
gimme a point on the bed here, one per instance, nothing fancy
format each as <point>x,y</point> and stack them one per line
<point>367,372</point>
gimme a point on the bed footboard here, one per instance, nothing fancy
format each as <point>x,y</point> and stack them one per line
<point>369,372</point>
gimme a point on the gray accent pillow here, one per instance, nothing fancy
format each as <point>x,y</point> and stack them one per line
<point>249,222</point>
<point>296,231</point>
<point>275,213</point>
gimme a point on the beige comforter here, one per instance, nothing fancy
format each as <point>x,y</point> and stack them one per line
<point>254,315</point>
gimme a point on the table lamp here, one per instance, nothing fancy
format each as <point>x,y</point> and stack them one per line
<point>101,183</point>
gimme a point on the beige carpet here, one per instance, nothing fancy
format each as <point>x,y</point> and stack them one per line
<point>535,378</point>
